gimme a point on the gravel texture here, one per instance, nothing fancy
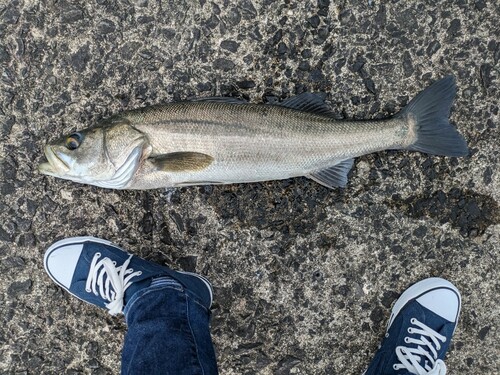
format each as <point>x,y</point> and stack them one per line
<point>304,276</point>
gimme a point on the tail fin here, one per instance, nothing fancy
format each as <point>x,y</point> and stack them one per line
<point>431,109</point>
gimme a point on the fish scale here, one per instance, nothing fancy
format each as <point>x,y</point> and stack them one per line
<point>272,141</point>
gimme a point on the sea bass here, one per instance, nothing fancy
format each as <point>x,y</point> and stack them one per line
<point>225,141</point>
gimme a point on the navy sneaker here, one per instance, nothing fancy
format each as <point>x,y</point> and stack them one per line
<point>100,273</point>
<point>420,329</point>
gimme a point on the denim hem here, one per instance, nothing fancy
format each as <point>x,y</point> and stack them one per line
<point>169,285</point>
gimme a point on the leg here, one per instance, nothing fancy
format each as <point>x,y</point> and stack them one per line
<point>420,329</point>
<point>168,333</point>
<point>167,312</point>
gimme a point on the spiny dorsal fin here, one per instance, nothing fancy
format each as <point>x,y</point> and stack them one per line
<point>308,102</point>
<point>335,176</point>
<point>181,161</point>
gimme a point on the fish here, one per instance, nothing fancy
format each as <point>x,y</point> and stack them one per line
<point>222,140</point>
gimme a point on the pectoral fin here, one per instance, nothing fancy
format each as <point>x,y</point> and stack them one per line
<point>335,176</point>
<point>182,161</point>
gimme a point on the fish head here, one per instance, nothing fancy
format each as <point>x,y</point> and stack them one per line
<point>106,156</point>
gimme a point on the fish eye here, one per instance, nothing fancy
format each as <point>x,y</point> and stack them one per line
<point>73,141</point>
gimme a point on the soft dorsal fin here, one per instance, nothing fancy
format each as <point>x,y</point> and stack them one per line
<point>181,161</point>
<point>308,102</point>
<point>335,176</point>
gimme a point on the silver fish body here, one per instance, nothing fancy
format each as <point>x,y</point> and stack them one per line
<point>254,142</point>
<point>221,142</point>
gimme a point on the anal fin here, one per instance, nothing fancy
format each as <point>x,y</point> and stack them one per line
<point>335,176</point>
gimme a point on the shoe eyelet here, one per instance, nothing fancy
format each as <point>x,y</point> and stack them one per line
<point>413,320</point>
<point>88,290</point>
<point>395,367</point>
<point>407,340</point>
<point>97,255</point>
<point>139,273</point>
<point>114,263</point>
<point>438,347</point>
<point>410,330</point>
<point>387,335</point>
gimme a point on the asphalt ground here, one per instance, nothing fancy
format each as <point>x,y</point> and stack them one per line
<point>304,276</point>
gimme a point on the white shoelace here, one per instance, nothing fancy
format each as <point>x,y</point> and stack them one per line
<point>426,350</point>
<point>109,281</point>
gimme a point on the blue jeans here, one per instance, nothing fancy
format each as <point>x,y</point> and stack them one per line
<point>168,333</point>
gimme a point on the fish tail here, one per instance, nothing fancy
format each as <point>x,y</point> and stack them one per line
<point>427,122</point>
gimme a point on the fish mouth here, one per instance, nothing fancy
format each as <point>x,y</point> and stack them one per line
<point>54,165</point>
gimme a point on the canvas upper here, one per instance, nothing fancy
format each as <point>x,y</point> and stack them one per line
<point>420,330</point>
<point>100,273</point>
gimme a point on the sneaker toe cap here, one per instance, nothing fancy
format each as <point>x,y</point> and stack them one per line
<point>443,302</point>
<point>60,262</point>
